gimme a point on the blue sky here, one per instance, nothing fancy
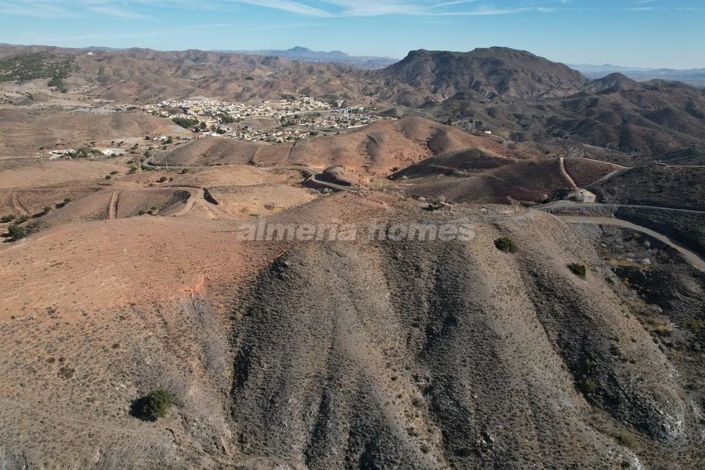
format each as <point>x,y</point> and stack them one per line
<point>668,33</point>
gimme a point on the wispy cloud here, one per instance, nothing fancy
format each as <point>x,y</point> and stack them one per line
<point>288,6</point>
<point>33,9</point>
<point>137,9</point>
<point>117,11</point>
<point>144,9</point>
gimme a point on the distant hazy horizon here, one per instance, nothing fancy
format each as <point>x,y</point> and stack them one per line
<point>627,33</point>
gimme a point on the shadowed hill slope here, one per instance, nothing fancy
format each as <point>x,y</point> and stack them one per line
<point>487,73</point>
<point>468,335</point>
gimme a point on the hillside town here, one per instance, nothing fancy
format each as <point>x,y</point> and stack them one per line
<point>273,121</point>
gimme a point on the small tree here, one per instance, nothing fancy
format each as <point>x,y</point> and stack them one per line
<point>154,405</point>
<point>578,269</point>
<point>16,232</point>
<point>506,245</point>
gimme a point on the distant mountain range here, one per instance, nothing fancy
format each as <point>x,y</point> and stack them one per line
<point>525,97</point>
<point>338,57</point>
<point>695,77</point>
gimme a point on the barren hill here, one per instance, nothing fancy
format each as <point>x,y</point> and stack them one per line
<point>27,132</point>
<point>379,148</point>
<point>423,354</point>
<point>484,73</point>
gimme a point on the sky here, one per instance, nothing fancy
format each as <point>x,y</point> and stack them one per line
<point>634,33</point>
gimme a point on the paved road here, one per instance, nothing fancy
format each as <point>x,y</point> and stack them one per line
<point>577,205</point>
<point>608,177</point>
<point>693,259</point>
<point>311,176</point>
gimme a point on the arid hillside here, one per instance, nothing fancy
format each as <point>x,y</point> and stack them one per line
<point>380,148</point>
<point>325,354</point>
<point>479,260</point>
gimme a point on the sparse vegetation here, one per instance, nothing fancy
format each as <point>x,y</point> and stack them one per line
<point>625,439</point>
<point>154,405</point>
<point>32,66</point>
<point>695,326</point>
<point>506,245</point>
<point>66,372</point>
<point>578,269</point>
<point>7,218</point>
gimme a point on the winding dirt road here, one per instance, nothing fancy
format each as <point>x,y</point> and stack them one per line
<point>693,259</point>
<point>18,206</point>
<point>565,174</point>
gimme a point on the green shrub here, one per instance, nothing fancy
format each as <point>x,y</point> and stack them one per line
<point>226,118</point>
<point>58,82</point>
<point>578,269</point>
<point>587,385</point>
<point>44,212</point>
<point>16,232</point>
<point>506,245</point>
<point>185,122</point>
<point>7,218</point>
<point>154,405</point>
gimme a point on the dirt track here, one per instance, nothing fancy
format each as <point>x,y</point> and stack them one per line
<point>567,176</point>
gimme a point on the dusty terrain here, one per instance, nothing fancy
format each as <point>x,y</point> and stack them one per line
<point>577,343</point>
